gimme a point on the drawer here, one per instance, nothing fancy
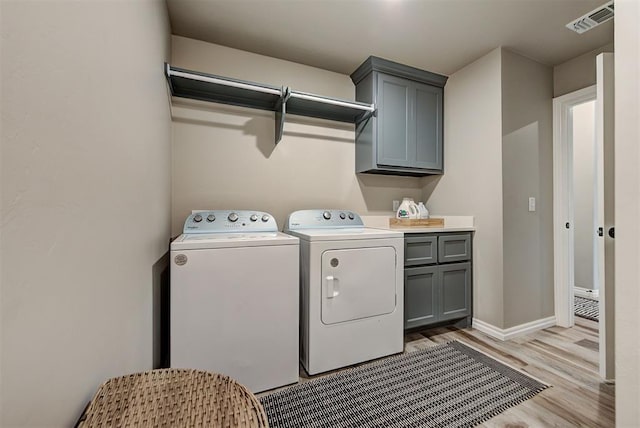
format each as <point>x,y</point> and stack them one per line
<point>454,248</point>
<point>420,250</point>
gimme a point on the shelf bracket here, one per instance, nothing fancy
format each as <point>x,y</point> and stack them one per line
<point>281,110</point>
<point>366,115</point>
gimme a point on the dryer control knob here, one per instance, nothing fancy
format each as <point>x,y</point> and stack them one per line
<point>253,217</point>
<point>351,217</point>
<point>326,215</point>
<point>197,218</point>
<point>211,218</point>
<point>233,217</point>
<point>343,216</point>
<point>265,218</point>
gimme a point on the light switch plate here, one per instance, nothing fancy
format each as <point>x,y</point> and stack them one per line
<point>532,204</point>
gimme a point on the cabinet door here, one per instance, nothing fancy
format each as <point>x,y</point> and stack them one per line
<point>455,291</point>
<point>395,137</point>
<point>428,126</point>
<point>420,296</point>
<point>420,250</point>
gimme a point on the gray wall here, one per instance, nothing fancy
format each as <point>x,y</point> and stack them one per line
<point>85,185</point>
<point>583,194</point>
<point>225,157</point>
<point>577,73</point>
<point>527,170</point>
<point>472,183</point>
<point>498,153</point>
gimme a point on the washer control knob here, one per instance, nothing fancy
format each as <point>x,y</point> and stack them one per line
<point>351,217</point>
<point>343,216</point>
<point>326,215</point>
<point>233,217</point>
<point>211,218</point>
<point>253,217</point>
<point>197,218</point>
<point>265,218</point>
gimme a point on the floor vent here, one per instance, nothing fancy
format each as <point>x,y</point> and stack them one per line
<point>592,19</point>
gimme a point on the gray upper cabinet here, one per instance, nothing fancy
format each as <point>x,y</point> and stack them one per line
<point>405,135</point>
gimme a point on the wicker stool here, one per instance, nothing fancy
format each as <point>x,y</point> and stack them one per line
<point>173,398</point>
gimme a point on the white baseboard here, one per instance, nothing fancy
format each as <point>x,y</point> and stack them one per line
<point>586,293</point>
<point>512,332</point>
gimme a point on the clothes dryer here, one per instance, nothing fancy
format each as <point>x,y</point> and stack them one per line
<point>351,289</point>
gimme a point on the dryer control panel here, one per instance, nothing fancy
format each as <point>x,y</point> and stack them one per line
<point>319,219</point>
<point>224,221</point>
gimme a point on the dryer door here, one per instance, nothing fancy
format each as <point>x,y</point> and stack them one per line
<point>358,283</point>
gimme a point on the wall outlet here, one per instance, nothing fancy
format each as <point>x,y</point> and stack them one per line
<point>532,204</point>
<point>396,205</point>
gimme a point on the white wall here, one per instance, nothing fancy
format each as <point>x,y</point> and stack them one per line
<point>225,157</point>
<point>627,195</point>
<point>85,183</point>
<point>583,193</point>
<point>527,170</point>
<point>472,183</point>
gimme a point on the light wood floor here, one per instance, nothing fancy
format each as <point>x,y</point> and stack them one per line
<point>565,358</point>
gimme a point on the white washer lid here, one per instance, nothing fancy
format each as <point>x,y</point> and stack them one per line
<point>344,234</point>
<point>205,241</point>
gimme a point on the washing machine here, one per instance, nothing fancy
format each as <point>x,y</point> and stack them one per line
<point>234,298</point>
<point>351,289</point>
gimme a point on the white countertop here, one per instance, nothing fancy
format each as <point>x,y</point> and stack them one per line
<point>451,224</point>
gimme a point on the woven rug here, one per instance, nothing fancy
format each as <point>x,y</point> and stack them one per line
<point>586,308</point>
<point>448,385</point>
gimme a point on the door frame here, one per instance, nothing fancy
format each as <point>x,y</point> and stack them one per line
<point>563,237</point>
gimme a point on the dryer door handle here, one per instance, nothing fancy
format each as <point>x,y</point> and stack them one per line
<point>333,287</point>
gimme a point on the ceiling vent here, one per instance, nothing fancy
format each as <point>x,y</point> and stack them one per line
<point>592,19</point>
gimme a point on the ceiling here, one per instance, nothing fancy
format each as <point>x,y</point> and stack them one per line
<point>437,35</point>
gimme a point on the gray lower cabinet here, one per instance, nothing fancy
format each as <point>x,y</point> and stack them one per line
<point>437,278</point>
<point>405,136</point>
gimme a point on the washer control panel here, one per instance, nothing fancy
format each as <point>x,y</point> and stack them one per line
<point>318,219</point>
<point>219,221</point>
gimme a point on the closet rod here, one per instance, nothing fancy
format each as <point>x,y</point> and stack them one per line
<point>224,82</point>
<point>331,101</point>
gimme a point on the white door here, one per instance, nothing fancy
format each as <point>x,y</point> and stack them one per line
<point>605,189</point>
<point>563,209</point>
<point>358,283</point>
